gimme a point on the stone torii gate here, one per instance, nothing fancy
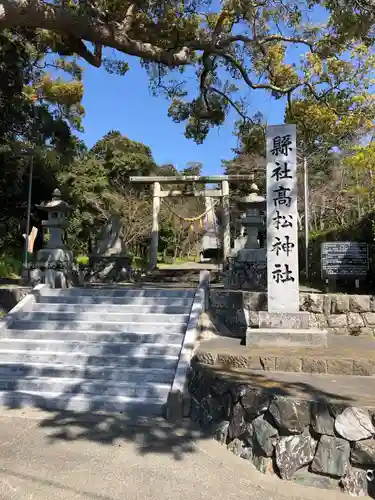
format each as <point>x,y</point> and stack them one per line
<point>222,192</point>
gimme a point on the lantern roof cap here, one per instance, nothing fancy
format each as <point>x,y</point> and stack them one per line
<point>253,196</point>
<point>56,204</point>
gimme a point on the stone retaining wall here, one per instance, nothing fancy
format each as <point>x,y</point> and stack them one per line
<point>316,443</point>
<point>340,314</point>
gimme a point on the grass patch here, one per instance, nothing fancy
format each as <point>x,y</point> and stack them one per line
<point>142,262</point>
<point>164,264</point>
<point>137,262</point>
<point>183,260</point>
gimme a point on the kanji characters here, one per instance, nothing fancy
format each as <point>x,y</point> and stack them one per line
<point>282,171</point>
<point>282,220</point>
<point>280,245</point>
<point>282,273</point>
<point>283,197</point>
<point>281,145</point>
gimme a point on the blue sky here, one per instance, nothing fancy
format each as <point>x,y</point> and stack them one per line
<point>126,104</point>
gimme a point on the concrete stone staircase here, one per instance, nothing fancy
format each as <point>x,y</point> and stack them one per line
<point>98,349</point>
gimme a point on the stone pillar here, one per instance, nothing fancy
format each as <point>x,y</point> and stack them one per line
<point>210,242</point>
<point>283,324</point>
<point>155,226</point>
<point>209,217</point>
<point>226,220</point>
<point>282,220</point>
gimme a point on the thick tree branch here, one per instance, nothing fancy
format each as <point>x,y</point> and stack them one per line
<point>37,14</point>
<point>139,25</point>
<point>204,89</point>
<point>78,46</point>
<point>126,25</point>
<point>231,102</point>
<point>227,41</point>
<point>255,86</point>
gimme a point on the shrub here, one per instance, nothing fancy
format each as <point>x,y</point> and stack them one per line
<point>10,266</point>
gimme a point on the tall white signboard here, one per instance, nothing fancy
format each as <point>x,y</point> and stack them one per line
<point>282,219</point>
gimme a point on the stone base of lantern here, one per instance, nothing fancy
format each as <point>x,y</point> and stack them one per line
<point>110,268</point>
<point>55,267</point>
<point>248,270</point>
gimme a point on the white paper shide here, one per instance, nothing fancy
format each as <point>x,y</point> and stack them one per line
<point>282,219</point>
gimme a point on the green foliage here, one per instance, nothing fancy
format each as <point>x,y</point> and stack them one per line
<point>246,164</point>
<point>168,259</point>
<point>82,260</point>
<point>192,169</point>
<point>343,116</point>
<point>10,266</point>
<point>122,157</point>
<point>116,67</point>
<point>201,114</point>
<point>361,160</point>
<point>37,128</point>
<point>167,170</point>
<point>167,236</point>
<point>97,185</point>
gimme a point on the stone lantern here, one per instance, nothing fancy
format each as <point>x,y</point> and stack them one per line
<point>253,221</point>
<point>248,269</point>
<point>55,261</point>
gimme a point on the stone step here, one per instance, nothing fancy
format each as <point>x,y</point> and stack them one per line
<point>82,386</point>
<point>53,370</point>
<point>83,402</point>
<point>343,356</point>
<point>349,390</point>
<point>90,348</point>
<point>101,326</point>
<point>113,309</point>
<point>108,317</point>
<point>91,336</point>
<point>107,300</point>
<point>81,359</point>
<point>120,292</point>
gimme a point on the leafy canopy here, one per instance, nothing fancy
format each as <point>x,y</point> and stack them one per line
<point>232,47</point>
